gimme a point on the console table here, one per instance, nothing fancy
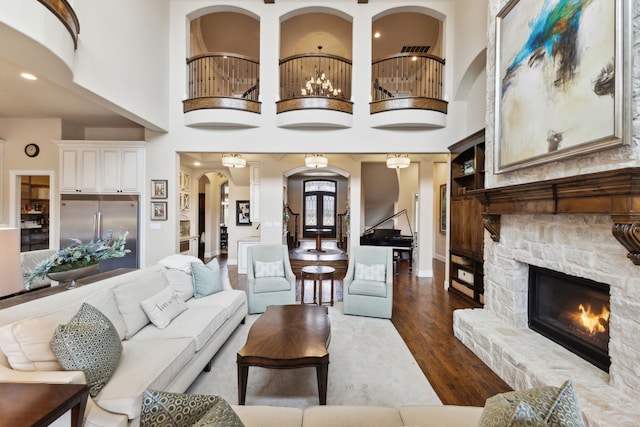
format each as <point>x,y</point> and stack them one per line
<point>39,404</point>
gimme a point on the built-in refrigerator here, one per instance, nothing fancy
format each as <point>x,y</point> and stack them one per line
<point>89,217</point>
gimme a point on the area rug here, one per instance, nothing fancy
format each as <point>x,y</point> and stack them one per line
<point>369,365</point>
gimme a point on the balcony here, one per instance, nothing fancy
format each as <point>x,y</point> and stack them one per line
<point>65,13</point>
<point>222,81</point>
<point>409,85</point>
<point>315,81</point>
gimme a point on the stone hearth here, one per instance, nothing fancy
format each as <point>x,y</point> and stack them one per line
<point>579,245</point>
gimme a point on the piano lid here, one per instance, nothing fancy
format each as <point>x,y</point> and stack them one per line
<point>384,221</point>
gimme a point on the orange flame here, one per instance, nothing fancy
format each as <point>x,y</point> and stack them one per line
<point>591,321</point>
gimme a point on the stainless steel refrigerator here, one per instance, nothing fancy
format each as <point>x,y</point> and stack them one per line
<point>89,217</point>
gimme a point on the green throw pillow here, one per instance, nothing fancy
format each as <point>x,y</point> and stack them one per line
<point>555,406</point>
<point>88,343</point>
<point>499,412</point>
<point>164,409</point>
<point>206,279</point>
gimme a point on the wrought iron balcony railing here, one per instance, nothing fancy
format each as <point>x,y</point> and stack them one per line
<point>65,13</point>
<point>407,81</point>
<point>315,81</point>
<point>223,80</point>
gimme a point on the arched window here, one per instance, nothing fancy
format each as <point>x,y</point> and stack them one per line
<point>320,208</point>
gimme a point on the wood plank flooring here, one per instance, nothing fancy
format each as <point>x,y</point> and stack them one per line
<point>423,316</point>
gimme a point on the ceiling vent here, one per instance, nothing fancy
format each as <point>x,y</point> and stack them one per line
<point>415,49</point>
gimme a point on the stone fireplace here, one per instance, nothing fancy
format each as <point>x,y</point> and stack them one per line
<point>586,246</point>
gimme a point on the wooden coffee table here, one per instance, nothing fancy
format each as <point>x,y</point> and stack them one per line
<point>287,337</point>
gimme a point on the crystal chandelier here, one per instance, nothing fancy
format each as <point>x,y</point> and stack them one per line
<point>319,84</point>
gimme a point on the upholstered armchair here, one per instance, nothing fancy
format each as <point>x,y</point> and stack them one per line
<point>368,283</point>
<point>270,280</point>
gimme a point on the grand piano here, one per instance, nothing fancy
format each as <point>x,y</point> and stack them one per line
<point>375,236</point>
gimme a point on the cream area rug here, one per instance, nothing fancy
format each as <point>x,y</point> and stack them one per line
<point>369,364</point>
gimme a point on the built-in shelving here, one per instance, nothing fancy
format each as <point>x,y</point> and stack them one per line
<point>34,213</point>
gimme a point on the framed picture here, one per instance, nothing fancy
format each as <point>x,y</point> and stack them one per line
<point>562,85</point>
<point>158,211</point>
<point>443,208</point>
<point>158,188</point>
<point>242,212</point>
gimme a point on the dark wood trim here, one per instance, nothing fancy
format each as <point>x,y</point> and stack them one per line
<point>414,103</point>
<point>215,102</point>
<point>65,13</point>
<point>615,193</point>
<point>314,103</point>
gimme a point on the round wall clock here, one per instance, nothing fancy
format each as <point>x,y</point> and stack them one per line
<point>32,150</point>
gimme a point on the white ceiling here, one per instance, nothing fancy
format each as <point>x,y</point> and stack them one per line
<point>21,98</point>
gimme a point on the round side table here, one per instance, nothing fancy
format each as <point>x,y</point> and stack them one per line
<point>317,273</point>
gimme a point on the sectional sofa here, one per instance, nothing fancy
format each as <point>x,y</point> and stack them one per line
<point>166,359</point>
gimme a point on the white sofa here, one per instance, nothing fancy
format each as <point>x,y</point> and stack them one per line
<point>164,359</point>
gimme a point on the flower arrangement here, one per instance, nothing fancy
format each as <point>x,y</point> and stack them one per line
<point>78,255</point>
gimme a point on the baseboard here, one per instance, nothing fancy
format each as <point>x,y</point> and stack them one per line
<point>440,258</point>
<point>424,273</point>
<point>232,261</point>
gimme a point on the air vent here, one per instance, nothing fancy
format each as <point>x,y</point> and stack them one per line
<point>415,49</point>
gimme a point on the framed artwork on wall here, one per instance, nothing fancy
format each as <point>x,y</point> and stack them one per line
<point>158,188</point>
<point>443,208</point>
<point>158,211</point>
<point>562,85</point>
<point>243,212</point>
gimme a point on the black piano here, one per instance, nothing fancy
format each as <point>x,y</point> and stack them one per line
<point>390,237</point>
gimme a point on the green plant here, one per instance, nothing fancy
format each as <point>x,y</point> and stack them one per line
<point>78,255</point>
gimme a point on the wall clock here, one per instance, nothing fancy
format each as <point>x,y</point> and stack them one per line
<point>32,150</point>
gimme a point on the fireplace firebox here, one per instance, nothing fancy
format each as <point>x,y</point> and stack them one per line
<point>572,311</point>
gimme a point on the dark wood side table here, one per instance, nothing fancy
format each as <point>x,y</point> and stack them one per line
<point>39,404</point>
<point>317,273</point>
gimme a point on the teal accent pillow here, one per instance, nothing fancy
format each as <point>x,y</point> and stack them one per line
<point>555,406</point>
<point>88,343</point>
<point>164,409</point>
<point>206,279</point>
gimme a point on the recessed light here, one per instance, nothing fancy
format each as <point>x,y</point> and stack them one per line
<point>196,163</point>
<point>414,58</point>
<point>376,34</point>
<point>28,76</point>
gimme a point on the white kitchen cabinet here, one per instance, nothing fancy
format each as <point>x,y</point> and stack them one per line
<point>121,170</point>
<point>79,170</point>
<point>242,254</point>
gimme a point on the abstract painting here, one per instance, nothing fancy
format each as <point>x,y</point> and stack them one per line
<point>558,83</point>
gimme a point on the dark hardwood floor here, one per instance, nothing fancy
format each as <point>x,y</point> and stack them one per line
<point>423,316</point>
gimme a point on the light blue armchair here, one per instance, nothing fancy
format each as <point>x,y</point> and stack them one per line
<point>270,280</point>
<point>368,283</point>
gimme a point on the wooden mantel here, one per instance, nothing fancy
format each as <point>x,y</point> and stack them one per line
<point>615,193</point>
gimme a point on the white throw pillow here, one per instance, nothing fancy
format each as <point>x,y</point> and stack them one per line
<point>163,307</point>
<point>180,282</point>
<point>129,295</point>
<point>372,272</point>
<point>268,269</point>
<point>179,262</point>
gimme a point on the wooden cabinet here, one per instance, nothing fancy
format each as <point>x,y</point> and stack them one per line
<point>34,213</point>
<point>466,245</point>
<point>121,170</point>
<point>79,170</point>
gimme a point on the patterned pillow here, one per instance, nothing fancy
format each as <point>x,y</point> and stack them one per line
<point>268,269</point>
<point>499,412</point>
<point>163,307</point>
<point>373,272</point>
<point>206,279</point>
<point>164,409</point>
<point>88,343</point>
<point>555,406</point>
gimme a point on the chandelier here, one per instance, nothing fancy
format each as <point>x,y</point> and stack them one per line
<point>315,161</point>
<point>319,84</point>
<point>233,160</point>
<point>398,161</point>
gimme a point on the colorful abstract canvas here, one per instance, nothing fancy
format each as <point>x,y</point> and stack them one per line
<point>556,79</point>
